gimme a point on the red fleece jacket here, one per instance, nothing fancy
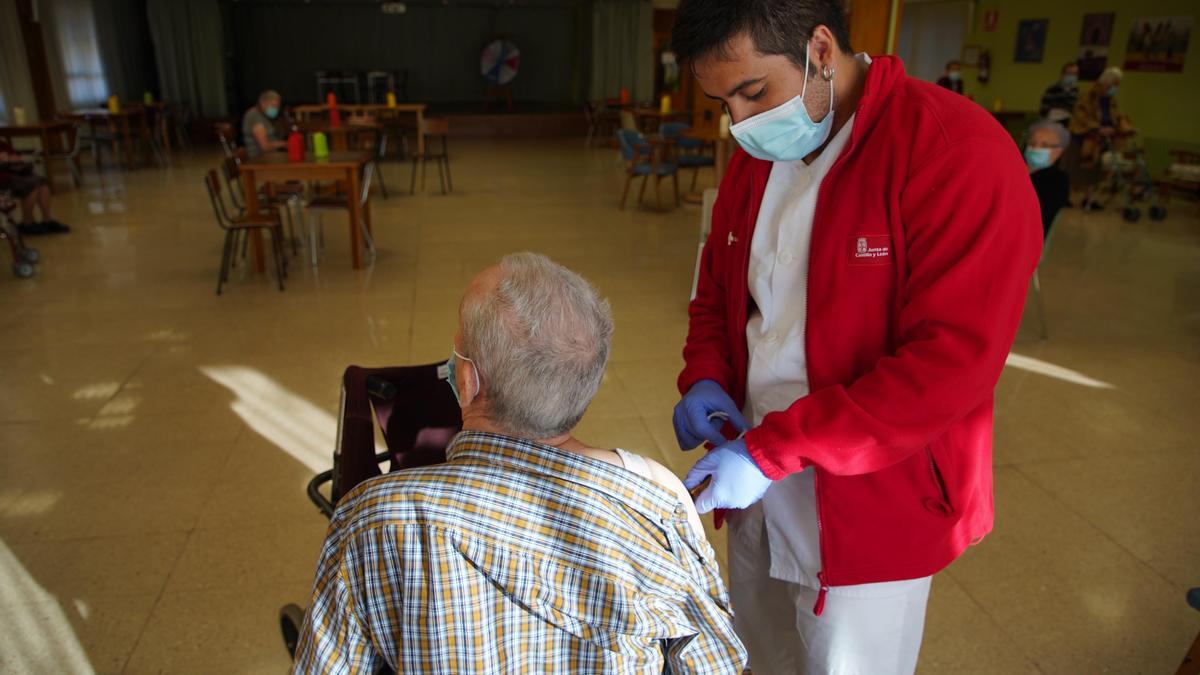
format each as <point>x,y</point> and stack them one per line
<point>925,235</point>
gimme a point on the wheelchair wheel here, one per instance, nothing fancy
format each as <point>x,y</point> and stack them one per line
<point>22,269</point>
<point>1131,214</point>
<point>1158,213</point>
<point>31,255</point>
<point>291,618</point>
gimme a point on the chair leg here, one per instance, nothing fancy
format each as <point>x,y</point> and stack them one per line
<point>379,177</point>
<point>625,192</point>
<point>1041,306</point>
<point>675,180</point>
<point>312,238</point>
<point>277,252</point>
<point>658,193</point>
<point>695,175</point>
<point>76,173</point>
<point>291,227</point>
<point>442,170</point>
<point>412,184</point>
<point>226,253</point>
<point>642,192</point>
<point>446,159</point>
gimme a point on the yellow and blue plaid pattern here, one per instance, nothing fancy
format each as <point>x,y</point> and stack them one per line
<point>516,557</point>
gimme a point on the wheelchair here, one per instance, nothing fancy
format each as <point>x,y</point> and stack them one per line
<point>417,415</point>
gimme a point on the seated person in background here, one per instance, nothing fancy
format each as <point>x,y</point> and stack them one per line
<point>259,130</point>
<point>1059,99</point>
<point>17,178</point>
<point>952,78</point>
<point>1044,147</point>
<point>1097,125</point>
<point>528,550</point>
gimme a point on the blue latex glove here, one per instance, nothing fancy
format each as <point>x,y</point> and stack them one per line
<point>737,482</point>
<point>702,412</point>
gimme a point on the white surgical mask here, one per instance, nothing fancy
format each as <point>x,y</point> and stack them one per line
<point>785,133</point>
<point>449,372</point>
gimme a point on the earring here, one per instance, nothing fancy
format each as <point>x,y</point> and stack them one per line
<point>827,73</point>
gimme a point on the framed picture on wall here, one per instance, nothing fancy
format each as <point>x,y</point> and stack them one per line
<point>970,55</point>
<point>1097,30</point>
<point>1031,40</point>
<point>1092,61</point>
<point>1158,44</point>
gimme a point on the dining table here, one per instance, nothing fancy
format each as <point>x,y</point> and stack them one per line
<point>52,135</point>
<point>342,137</point>
<point>305,111</point>
<point>276,167</point>
<point>649,119</point>
<point>122,124</point>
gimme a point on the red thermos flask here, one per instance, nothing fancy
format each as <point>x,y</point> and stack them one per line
<point>295,146</point>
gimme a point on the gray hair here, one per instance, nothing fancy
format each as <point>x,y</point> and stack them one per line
<point>268,95</point>
<point>1109,76</point>
<point>540,340</point>
<point>1064,136</point>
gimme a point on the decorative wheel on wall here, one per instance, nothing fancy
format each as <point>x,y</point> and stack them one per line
<point>499,62</point>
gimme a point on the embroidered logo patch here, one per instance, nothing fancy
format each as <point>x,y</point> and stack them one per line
<point>871,249</point>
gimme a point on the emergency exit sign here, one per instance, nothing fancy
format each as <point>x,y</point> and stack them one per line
<point>990,17</point>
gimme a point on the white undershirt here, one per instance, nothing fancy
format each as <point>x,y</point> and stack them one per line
<point>777,375</point>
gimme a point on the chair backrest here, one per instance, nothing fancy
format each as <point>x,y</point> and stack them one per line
<point>231,168</point>
<point>673,129</point>
<point>628,121</point>
<point>436,126</point>
<point>213,185</point>
<point>226,136</point>
<point>628,139</point>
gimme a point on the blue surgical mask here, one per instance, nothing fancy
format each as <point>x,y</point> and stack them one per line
<point>1037,158</point>
<point>450,373</point>
<point>785,133</point>
<point>272,111</point>
<point>954,75</point>
<point>1111,91</point>
<point>1069,80</point>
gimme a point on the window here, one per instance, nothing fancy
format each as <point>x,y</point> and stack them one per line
<point>83,71</point>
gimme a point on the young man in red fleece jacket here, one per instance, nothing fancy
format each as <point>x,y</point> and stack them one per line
<point>868,263</point>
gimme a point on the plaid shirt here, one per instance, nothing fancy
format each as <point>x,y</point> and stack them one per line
<point>516,557</point>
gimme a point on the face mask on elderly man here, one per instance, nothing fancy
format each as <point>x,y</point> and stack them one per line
<point>449,372</point>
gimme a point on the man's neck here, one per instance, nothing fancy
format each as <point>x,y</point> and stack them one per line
<point>477,422</point>
<point>849,80</point>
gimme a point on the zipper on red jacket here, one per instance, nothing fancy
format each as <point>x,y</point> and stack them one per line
<point>819,608</point>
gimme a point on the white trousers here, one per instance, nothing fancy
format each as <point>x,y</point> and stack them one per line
<point>861,631</point>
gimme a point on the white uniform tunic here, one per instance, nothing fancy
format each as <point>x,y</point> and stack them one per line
<point>775,552</point>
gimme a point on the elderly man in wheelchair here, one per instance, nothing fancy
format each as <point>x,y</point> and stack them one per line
<point>527,549</point>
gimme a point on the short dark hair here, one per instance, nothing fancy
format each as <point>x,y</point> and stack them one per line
<point>777,27</point>
<point>1068,64</point>
<point>955,62</point>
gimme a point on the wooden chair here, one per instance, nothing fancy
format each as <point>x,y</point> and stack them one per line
<point>235,225</point>
<point>339,202</point>
<point>431,127</point>
<point>226,136</point>
<point>641,159</point>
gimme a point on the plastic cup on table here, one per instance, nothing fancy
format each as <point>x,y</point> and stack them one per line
<point>147,97</point>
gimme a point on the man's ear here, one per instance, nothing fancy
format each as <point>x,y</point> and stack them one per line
<point>468,391</point>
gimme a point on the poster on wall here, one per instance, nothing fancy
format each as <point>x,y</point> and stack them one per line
<point>1097,30</point>
<point>1031,40</point>
<point>1092,61</point>
<point>1158,44</point>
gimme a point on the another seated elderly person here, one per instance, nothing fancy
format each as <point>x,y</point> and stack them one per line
<point>31,190</point>
<point>1043,148</point>
<point>528,550</point>
<point>259,129</point>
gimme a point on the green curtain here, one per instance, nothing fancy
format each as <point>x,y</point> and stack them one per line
<point>188,43</point>
<point>622,49</point>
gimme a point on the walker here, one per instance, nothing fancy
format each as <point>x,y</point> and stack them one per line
<point>1129,177</point>
<point>24,257</point>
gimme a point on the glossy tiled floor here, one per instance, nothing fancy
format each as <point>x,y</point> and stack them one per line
<point>155,439</point>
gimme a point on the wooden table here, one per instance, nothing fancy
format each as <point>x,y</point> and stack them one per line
<point>648,119</point>
<point>304,111</point>
<point>119,123</point>
<point>275,167</point>
<point>50,134</point>
<point>339,137</point>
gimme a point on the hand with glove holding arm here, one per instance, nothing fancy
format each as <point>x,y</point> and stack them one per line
<point>737,482</point>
